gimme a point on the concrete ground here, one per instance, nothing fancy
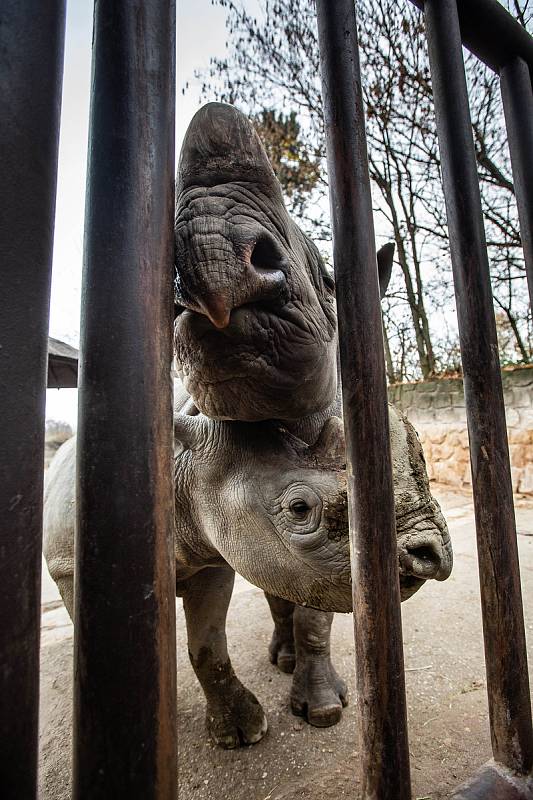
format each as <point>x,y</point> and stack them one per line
<point>445,677</point>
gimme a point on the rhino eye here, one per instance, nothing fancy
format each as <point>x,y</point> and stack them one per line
<point>299,508</point>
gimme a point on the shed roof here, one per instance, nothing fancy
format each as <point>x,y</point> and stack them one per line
<point>62,365</point>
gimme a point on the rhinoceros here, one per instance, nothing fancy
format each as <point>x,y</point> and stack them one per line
<point>256,338</point>
<point>256,499</point>
<point>256,331</point>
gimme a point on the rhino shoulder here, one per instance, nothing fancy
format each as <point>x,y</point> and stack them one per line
<point>59,513</point>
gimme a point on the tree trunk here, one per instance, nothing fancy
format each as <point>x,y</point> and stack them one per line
<point>519,341</point>
<point>391,375</point>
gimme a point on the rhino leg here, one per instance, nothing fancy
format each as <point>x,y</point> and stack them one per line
<point>233,715</point>
<point>317,692</point>
<point>66,590</point>
<point>301,644</point>
<point>281,650</point>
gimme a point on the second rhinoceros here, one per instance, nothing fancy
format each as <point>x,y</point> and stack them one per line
<point>256,499</point>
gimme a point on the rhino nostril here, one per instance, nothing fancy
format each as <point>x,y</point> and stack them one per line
<point>266,255</point>
<point>422,560</point>
<point>424,553</point>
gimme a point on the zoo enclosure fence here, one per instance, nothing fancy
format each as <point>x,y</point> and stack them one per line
<point>124,724</point>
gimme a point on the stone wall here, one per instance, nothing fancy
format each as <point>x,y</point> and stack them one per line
<point>437,410</point>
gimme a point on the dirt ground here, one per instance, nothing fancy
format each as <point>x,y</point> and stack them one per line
<point>445,677</point>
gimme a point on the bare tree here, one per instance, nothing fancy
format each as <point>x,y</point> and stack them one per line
<point>273,64</point>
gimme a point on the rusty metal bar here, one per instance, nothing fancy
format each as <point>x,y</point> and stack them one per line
<point>124,646</point>
<point>517,96</point>
<point>381,711</point>
<point>503,623</point>
<point>491,33</point>
<point>31,46</point>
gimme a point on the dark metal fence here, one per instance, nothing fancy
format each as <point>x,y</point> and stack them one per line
<point>31,72</point>
<point>494,36</point>
<point>125,659</point>
<point>124,737</point>
<point>124,619</point>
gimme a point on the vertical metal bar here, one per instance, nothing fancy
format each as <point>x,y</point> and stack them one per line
<point>124,647</point>
<point>381,710</point>
<point>517,95</point>
<point>31,46</point>
<point>503,623</point>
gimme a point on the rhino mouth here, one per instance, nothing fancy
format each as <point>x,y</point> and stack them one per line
<point>255,353</point>
<point>247,318</point>
<point>258,338</point>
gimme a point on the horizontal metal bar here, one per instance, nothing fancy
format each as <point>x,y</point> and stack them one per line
<point>491,33</point>
<point>31,47</point>
<point>124,641</point>
<point>501,599</point>
<point>381,711</point>
<point>517,96</point>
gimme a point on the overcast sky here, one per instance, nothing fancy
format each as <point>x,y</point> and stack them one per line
<point>200,35</point>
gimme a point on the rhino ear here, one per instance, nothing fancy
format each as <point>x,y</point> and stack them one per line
<point>385,258</point>
<point>222,145</point>
<point>190,432</point>
<point>331,445</point>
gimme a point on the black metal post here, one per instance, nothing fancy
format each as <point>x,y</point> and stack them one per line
<point>124,647</point>
<point>31,46</point>
<point>517,95</point>
<point>381,711</point>
<point>491,33</point>
<point>503,624</point>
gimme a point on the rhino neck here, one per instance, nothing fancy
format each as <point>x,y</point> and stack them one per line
<point>308,429</point>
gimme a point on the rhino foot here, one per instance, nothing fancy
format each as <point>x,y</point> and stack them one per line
<point>317,692</point>
<point>239,720</point>
<point>281,651</point>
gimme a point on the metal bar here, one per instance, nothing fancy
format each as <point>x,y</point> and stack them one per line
<point>32,44</point>
<point>503,622</point>
<point>124,646</point>
<point>490,32</point>
<point>381,711</point>
<point>517,96</point>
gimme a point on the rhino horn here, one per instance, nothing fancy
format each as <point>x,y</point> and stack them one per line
<point>221,146</point>
<point>330,445</point>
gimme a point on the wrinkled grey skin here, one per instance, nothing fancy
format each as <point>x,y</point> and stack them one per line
<point>255,338</point>
<point>256,332</point>
<point>258,500</point>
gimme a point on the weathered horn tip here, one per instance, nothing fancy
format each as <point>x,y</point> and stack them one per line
<point>222,145</point>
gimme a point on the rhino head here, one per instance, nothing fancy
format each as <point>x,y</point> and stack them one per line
<point>275,508</point>
<point>256,332</point>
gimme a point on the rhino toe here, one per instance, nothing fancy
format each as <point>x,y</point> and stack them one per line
<point>325,716</point>
<point>282,653</point>
<point>318,693</point>
<point>240,721</point>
